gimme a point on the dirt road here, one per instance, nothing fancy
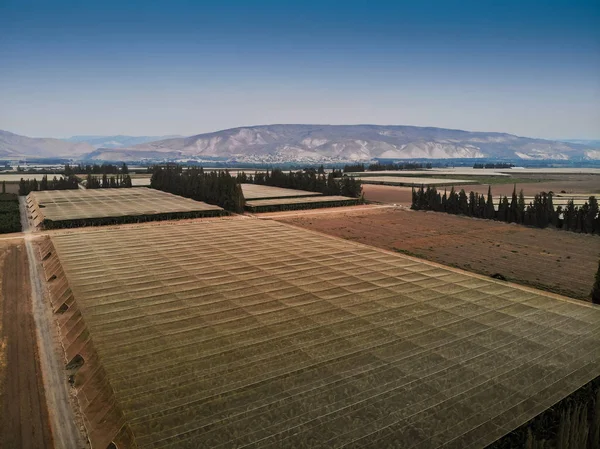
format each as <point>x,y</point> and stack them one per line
<point>65,430</point>
<point>24,419</point>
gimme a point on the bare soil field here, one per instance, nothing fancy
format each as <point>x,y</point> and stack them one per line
<point>557,261</point>
<point>389,194</point>
<point>543,183</point>
<point>24,421</point>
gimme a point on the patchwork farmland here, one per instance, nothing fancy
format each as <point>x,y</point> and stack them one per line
<point>411,181</point>
<point>74,208</point>
<point>259,334</point>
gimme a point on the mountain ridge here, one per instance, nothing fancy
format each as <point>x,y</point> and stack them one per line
<point>304,143</point>
<point>314,143</point>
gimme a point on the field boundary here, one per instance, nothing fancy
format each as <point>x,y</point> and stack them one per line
<point>439,265</point>
<point>102,417</point>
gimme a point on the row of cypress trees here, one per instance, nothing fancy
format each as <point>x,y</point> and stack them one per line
<point>63,183</point>
<point>332,183</point>
<point>218,188</point>
<point>540,212</point>
<point>113,182</point>
<point>10,219</point>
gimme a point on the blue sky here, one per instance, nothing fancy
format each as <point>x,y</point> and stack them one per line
<point>526,67</point>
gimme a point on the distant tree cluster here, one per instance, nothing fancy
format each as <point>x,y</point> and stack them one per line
<point>540,212</point>
<point>219,188</point>
<point>492,165</point>
<point>391,166</point>
<point>95,169</point>
<point>354,168</point>
<point>10,220</point>
<point>113,182</point>
<point>312,180</point>
<point>62,183</point>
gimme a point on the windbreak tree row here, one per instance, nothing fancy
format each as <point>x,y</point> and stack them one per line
<point>114,182</point>
<point>540,212</point>
<point>96,169</point>
<point>312,180</point>
<point>63,183</point>
<point>218,188</point>
<point>9,213</point>
<point>378,166</point>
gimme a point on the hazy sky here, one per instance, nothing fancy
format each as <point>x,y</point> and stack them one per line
<point>147,67</point>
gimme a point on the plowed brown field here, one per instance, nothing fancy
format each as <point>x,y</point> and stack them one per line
<point>557,261</point>
<point>536,184</point>
<point>23,414</point>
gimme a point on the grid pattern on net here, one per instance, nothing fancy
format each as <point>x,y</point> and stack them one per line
<point>307,200</point>
<point>252,333</point>
<point>257,191</point>
<point>58,205</point>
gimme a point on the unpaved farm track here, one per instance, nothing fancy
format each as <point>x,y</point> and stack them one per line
<point>24,421</point>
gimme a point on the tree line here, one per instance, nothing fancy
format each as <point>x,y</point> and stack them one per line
<point>312,180</point>
<point>10,220</point>
<point>218,188</point>
<point>354,168</point>
<point>32,185</point>
<point>492,165</point>
<point>397,166</point>
<point>540,212</point>
<point>114,182</point>
<point>96,169</point>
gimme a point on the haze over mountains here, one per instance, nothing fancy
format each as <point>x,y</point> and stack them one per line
<point>118,141</point>
<point>302,143</point>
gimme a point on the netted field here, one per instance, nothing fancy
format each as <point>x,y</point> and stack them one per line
<point>260,192</point>
<point>253,333</point>
<point>311,202</point>
<point>73,208</point>
<point>411,181</point>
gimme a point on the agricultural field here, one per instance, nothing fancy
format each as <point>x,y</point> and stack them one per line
<point>260,192</point>
<point>24,421</point>
<point>73,208</point>
<point>258,334</point>
<point>410,181</point>
<point>293,203</point>
<point>574,186</point>
<point>554,260</point>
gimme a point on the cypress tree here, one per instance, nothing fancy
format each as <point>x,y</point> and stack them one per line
<point>590,217</point>
<point>521,207</point>
<point>490,213</point>
<point>512,214</point>
<point>463,203</point>
<point>596,288</point>
<point>472,204</point>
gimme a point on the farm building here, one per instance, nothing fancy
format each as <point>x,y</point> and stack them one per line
<point>258,334</point>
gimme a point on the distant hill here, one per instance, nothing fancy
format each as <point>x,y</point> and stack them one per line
<point>117,141</point>
<point>14,145</point>
<point>303,143</point>
<point>280,143</point>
